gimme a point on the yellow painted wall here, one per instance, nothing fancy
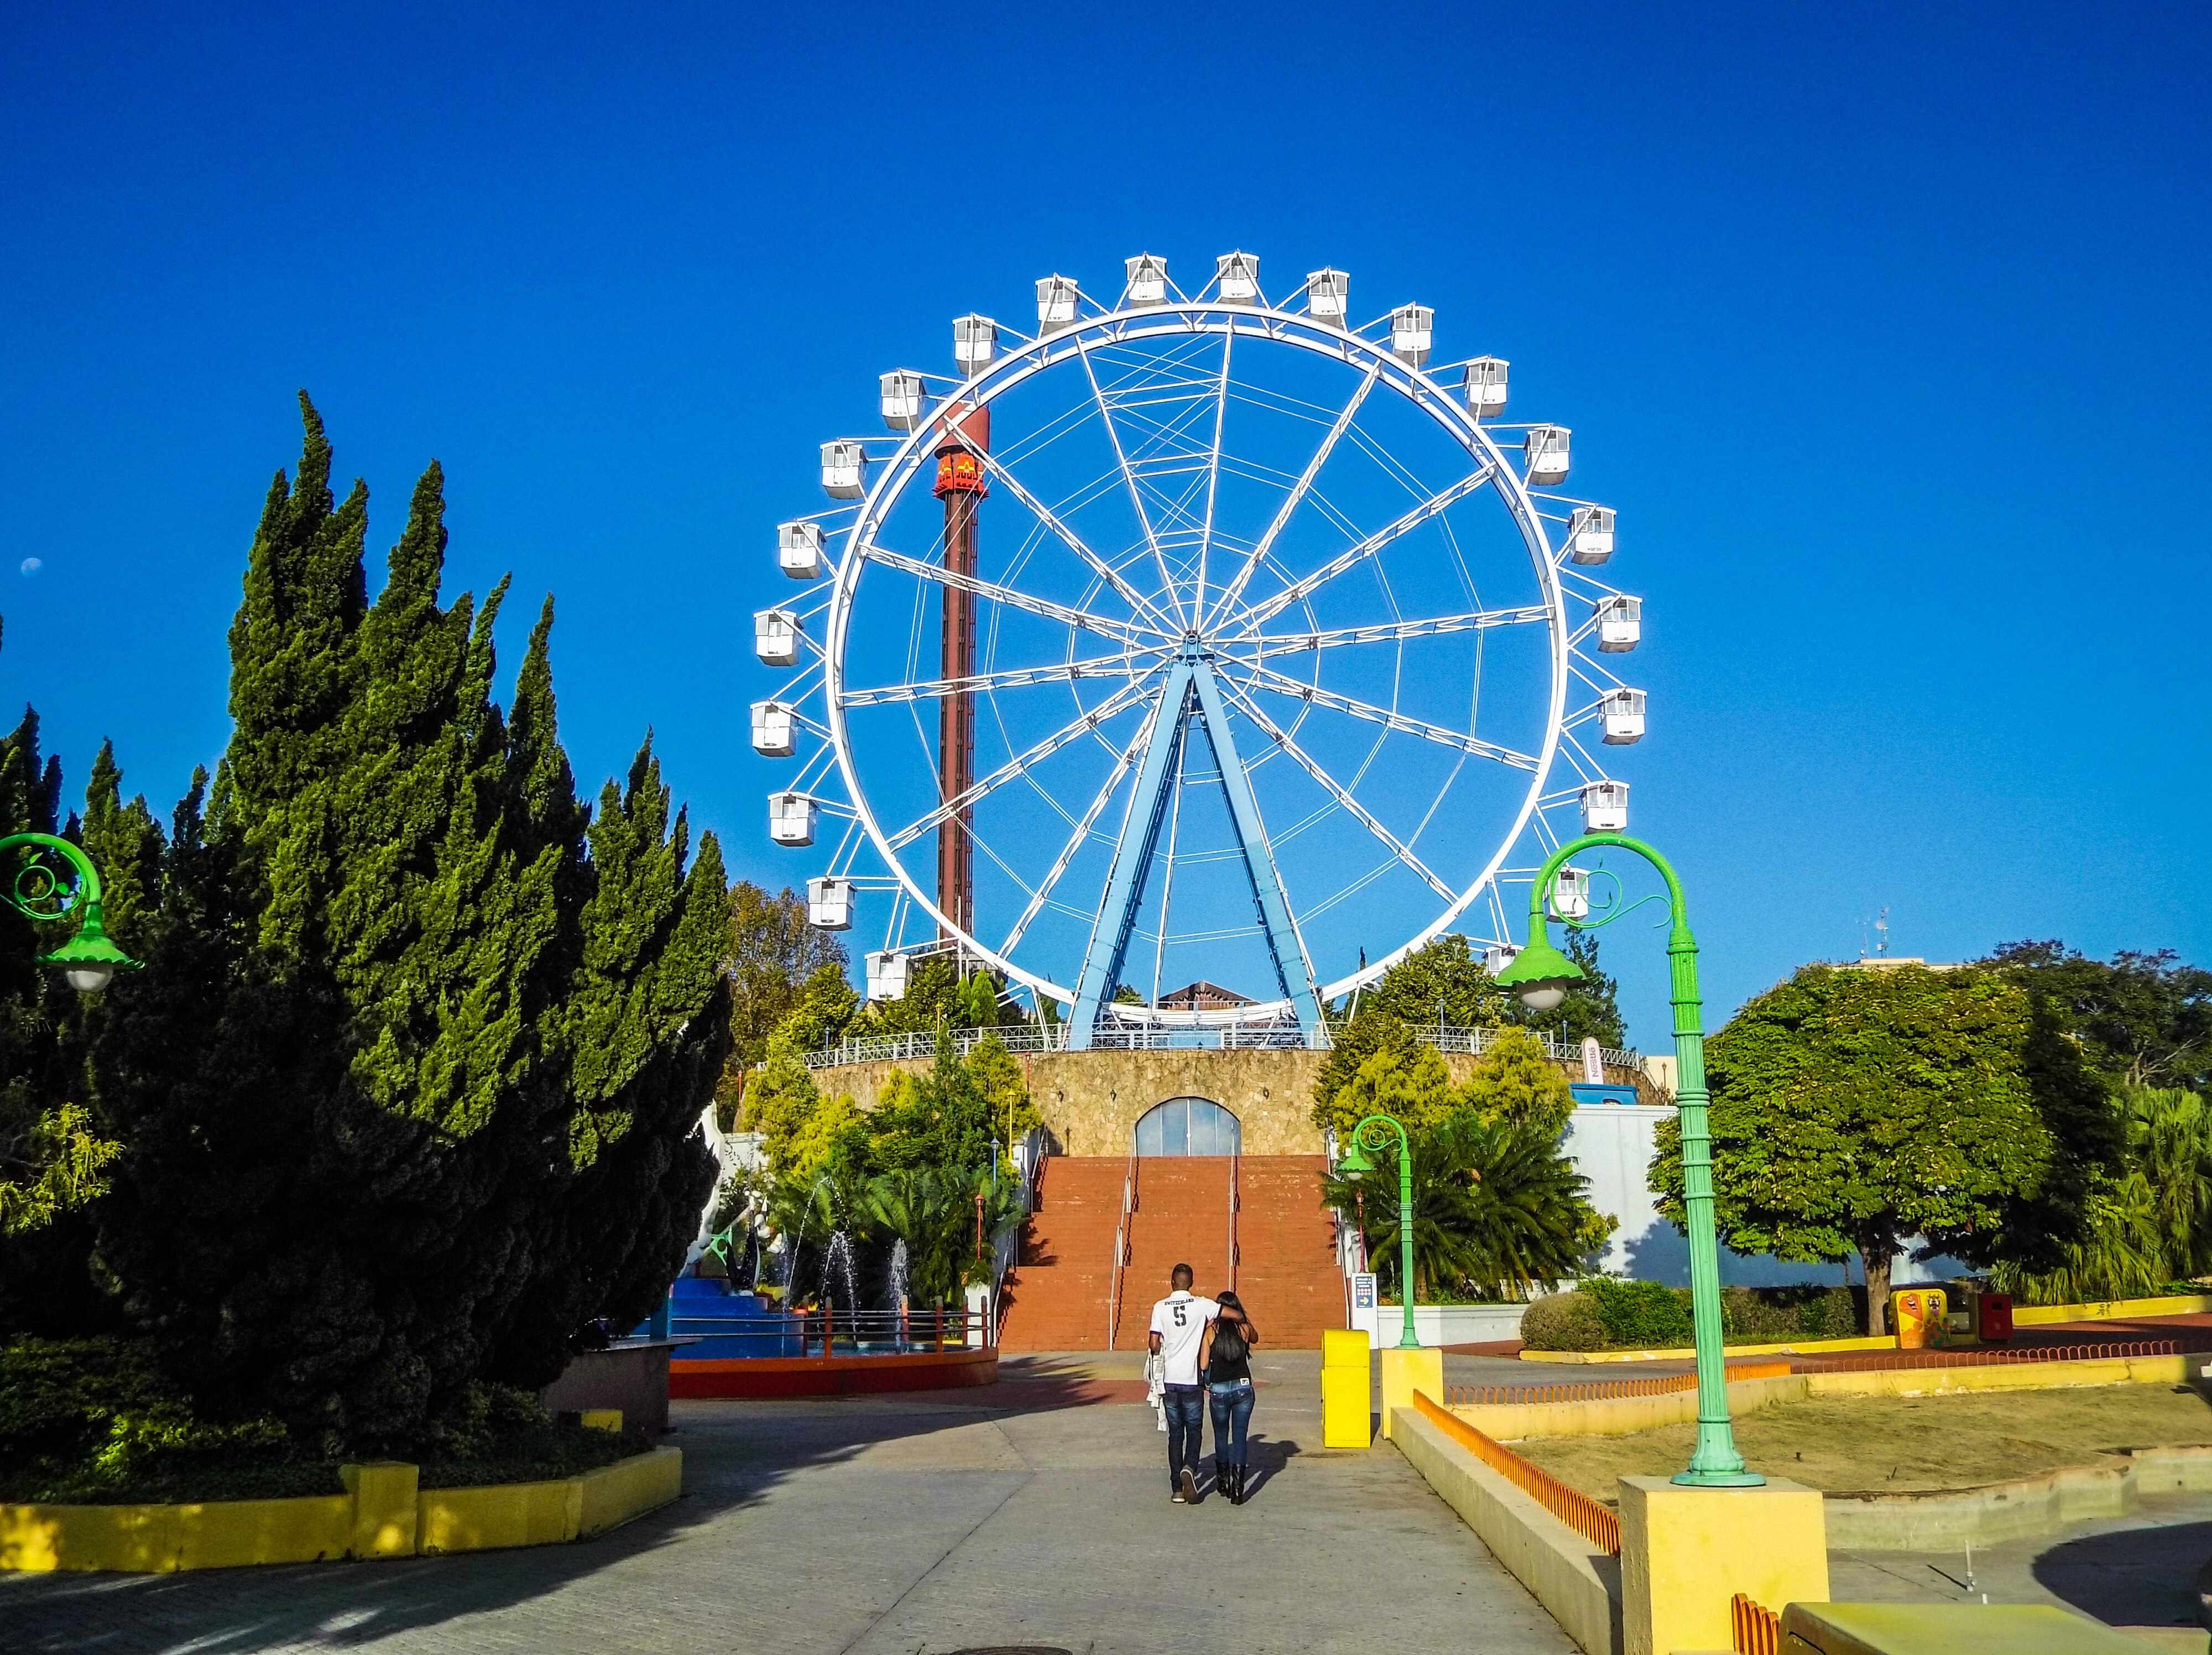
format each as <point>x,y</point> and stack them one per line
<point>2110,1310</point>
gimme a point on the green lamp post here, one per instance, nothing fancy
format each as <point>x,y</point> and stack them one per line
<point>89,960</point>
<point>1540,975</point>
<point>1355,1166</point>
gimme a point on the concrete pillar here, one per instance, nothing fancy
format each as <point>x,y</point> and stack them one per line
<point>1685,1552</point>
<point>1404,1372</point>
<point>384,1494</point>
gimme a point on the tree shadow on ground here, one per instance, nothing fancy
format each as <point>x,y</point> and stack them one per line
<point>2136,1576</point>
<point>735,1455</point>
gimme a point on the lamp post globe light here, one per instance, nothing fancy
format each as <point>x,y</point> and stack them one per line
<point>1356,1167</point>
<point>89,960</point>
<point>1541,975</point>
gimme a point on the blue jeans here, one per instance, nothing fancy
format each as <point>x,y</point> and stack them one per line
<point>1185,1406</point>
<point>1232,1403</point>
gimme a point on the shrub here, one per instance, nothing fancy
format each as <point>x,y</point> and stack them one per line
<point>92,1421</point>
<point>1563,1321</point>
<point>1771,1315</point>
<point>1641,1314</point>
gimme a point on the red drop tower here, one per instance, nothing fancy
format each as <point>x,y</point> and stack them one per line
<point>961,484</point>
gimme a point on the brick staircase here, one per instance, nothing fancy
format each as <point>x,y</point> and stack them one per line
<point>1285,1272</point>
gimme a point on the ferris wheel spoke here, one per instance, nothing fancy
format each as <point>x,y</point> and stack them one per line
<point>1235,590</point>
<point>1084,827</point>
<point>1098,566</point>
<point>1073,729</point>
<point>1475,620</point>
<point>1260,614</point>
<point>1016,678</point>
<point>1212,482</point>
<point>1399,848</point>
<point>1268,678</point>
<point>1136,636</point>
<point>1128,478</point>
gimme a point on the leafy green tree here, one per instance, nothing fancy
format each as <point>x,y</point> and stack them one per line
<point>1516,1083</point>
<point>1411,1085</point>
<point>1854,1108</point>
<point>774,956</point>
<point>1513,1082</point>
<point>947,1117</point>
<point>410,1084</point>
<point>2146,1018</point>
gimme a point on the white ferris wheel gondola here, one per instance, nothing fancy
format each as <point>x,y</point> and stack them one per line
<point>1248,553</point>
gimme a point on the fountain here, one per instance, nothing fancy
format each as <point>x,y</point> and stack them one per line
<point>898,1289</point>
<point>737,1344</point>
<point>837,1289</point>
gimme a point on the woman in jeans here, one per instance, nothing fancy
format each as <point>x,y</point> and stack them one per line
<point>1229,1394</point>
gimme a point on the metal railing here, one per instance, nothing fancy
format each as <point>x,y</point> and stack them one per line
<point>1602,1391</point>
<point>1121,1244</point>
<point>1600,1527</point>
<point>1034,1038</point>
<point>823,1330</point>
<point>1475,1042</point>
<point>1234,1202</point>
<point>1756,1629</point>
<point>1983,1355</point>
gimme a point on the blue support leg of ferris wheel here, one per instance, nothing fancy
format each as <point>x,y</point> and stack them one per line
<point>1293,971</point>
<point>1133,859</point>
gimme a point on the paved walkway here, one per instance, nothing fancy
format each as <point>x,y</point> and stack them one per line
<point>1033,1513</point>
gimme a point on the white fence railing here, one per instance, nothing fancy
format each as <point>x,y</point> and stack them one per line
<point>1030,1038</point>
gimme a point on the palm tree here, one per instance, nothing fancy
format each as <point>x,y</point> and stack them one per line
<point>2146,1223</point>
<point>1495,1204</point>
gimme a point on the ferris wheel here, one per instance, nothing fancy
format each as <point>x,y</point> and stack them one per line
<point>1205,635</point>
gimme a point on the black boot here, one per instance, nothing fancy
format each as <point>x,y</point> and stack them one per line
<point>1221,1486</point>
<point>1236,1485</point>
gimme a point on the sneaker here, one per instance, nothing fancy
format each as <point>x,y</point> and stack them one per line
<point>1176,1493</point>
<point>1188,1492</point>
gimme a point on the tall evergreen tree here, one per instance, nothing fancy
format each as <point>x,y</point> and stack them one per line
<point>53,1160</point>
<point>378,1076</point>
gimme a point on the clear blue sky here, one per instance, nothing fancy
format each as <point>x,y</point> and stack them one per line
<point>1887,330</point>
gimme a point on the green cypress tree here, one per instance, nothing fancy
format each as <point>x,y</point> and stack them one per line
<point>53,1158</point>
<point>642,1035</point>
<point>385,1038</point>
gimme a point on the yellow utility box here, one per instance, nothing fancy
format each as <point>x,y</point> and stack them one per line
<point>1345,1389</point>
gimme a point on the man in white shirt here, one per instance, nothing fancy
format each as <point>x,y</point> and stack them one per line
<point>1178,1325</point>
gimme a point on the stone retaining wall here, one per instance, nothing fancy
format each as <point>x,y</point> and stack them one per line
<point>1090,1099</point>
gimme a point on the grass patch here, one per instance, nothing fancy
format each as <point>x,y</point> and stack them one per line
<point>1896,1445</point>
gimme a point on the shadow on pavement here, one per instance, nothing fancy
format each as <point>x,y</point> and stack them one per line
<point>2130,1577</point>
<point>735,1454</point>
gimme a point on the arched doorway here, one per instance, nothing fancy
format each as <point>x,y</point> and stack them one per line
<point>1189,1126</point>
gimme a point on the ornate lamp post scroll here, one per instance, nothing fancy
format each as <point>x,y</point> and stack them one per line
<point>1356,1167</point>
<point>1540,975</point>
<point>89,960</point>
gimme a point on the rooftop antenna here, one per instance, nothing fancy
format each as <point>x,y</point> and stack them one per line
<point>1881,934</point>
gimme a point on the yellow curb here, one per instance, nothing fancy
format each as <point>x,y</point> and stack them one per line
<point>382,1514</point>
